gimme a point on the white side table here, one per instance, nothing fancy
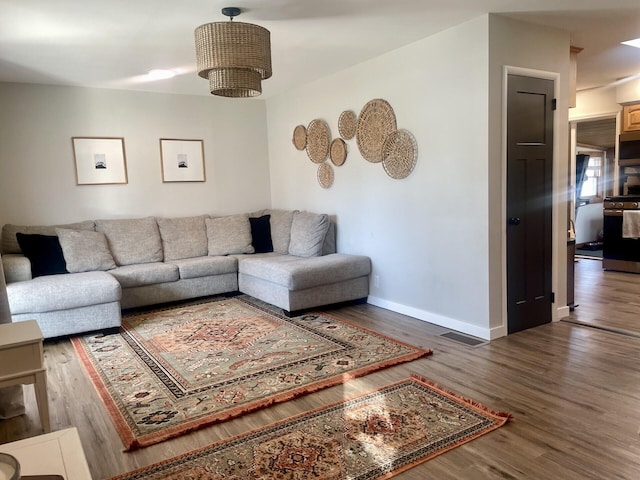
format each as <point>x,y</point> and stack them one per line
<point>22,362</point>
<point>57,453</point>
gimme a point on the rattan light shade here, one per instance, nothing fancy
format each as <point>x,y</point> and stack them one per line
<point>234,56</point>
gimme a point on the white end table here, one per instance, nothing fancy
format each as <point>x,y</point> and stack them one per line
<point>22,362</point>
<point>57,453</point>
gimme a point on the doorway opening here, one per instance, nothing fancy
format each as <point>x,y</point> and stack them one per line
<point>592,177</point>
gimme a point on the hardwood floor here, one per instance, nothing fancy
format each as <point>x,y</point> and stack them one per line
<point>607,299</point>
<point>574,391</point>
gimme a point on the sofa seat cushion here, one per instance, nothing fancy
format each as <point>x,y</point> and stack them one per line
<point>145,274</point>
<point>297,273</point>
<point>52,292</point>
<point>206,266</point>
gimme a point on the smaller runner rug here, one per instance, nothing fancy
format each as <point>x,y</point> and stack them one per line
<point>373,436</point>
<point>178,369</point>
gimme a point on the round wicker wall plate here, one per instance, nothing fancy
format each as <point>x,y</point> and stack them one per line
<point>347,124</point>
<point>300,137</point>
<point>318,139</point>
<point>325,175</point>
<point>338,152</point>
<point>377,120</point>
<point>399,154</point>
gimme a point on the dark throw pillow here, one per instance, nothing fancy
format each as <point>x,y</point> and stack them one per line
<point>261,234</point>
<point>44,252</point>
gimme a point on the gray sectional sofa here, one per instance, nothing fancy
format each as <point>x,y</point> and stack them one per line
<point>78,277</point>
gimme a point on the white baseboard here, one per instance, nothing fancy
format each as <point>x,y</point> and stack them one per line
<point>446,322</point>
<point>453,324</point>
<point>562,312</point>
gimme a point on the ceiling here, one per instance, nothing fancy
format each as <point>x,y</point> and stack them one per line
<point>599,133</point>
<point>112,44</point>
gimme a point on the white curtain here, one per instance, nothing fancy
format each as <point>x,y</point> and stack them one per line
<point>11,398</point>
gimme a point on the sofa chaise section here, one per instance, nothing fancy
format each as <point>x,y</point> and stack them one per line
<point>299,283</point>
<point>304,271</point>
<point>67,304</point>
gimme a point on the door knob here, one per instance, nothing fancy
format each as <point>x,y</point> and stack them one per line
<point>514,221</point>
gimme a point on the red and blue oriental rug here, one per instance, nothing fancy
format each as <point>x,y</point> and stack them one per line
<point>373,436</point>
<point>171,371</point>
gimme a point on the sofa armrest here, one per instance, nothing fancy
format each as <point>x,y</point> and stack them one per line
<point>17,267</point>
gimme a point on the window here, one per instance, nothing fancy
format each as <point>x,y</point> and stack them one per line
<point>592,188</point>
<point>591,182</point>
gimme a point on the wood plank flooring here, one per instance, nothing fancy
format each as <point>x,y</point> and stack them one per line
<point>574,391</point>
<point>607,299</point>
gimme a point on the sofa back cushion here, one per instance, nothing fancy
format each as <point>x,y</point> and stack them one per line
<point>281,229</point>
<point>329,245</point>
<point>132,240</point>
<point>183,237</point>
<point>229,235</point>
<point>280,225</point>
<point>308,232</point>
<point>85,251</point>
<point>9,231</point>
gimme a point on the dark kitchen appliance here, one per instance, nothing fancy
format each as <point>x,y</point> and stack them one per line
<point>629,149</point>
<point>629,163</point>
<point>622,254</point>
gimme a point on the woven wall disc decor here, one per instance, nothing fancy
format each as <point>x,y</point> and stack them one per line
<point>399,154</point>
<point>300,137</point>
<point>318,139</point>
<point>338,152</point>
<point>347,124</point>
<point>325,175</point>
<point>377,120</point>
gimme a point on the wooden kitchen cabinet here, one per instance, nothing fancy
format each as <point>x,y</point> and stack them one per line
<point>631,118</point>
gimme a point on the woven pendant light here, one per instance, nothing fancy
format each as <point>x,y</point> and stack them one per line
<point>234,56</point>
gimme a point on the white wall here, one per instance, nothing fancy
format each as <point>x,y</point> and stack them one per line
<point>426,234</point>
<point>628,92</point>
<point>37,173</point>
<point>594,103</point>
<point>435,238</point>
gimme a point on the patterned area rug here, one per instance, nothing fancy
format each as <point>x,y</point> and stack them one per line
<point>175,370</point>
<point>373,436</point>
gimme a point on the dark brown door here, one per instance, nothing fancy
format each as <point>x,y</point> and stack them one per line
<point>529,201</point>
